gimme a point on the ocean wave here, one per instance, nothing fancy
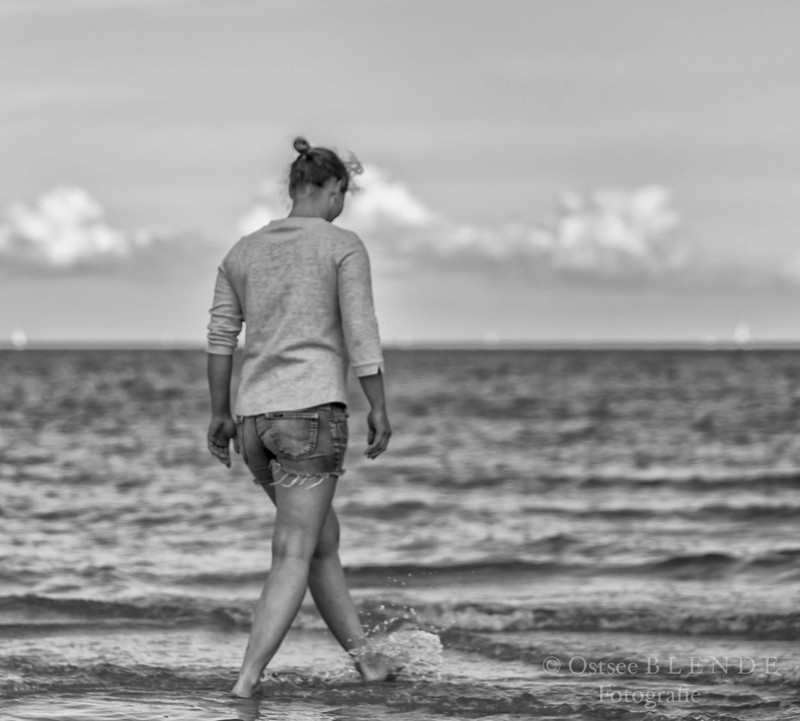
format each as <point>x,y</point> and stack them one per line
<point>685,566</point>
<point>692,668</point>
<point>681,479</point>
<point>711,512</point>
<point>625,618</point>
<point>22,613</point>
<point>31,610</point>
<point>750,511</point>
<point>687,479</point>
<point>559,554</point>
<point>391,511</point>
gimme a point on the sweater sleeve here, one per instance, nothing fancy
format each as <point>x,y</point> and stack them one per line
<point>226,317</point>
<point>357,308</point>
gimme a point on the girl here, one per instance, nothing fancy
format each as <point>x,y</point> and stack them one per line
<point>302,286</point>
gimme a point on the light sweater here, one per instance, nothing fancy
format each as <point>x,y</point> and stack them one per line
<point>302,286</point>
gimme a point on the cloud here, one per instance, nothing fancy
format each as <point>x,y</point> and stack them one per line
<point>65,231</point>
<point>379,200</point>
<point>63,228</point>
<point>604,234</point>
<point>271,202</point>
<point>610,232</point>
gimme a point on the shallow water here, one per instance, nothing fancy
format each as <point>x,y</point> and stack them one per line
<point>557,534</point>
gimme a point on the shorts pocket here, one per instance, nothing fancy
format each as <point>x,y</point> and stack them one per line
<point>294,435</point>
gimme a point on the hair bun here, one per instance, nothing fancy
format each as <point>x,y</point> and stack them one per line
<point>301,145</point>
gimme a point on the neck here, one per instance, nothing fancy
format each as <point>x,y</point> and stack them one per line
<point>306,210</point>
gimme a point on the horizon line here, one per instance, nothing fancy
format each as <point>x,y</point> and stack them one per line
<point>644,344</point>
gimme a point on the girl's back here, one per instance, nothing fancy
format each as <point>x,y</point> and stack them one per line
<point>303,288</point>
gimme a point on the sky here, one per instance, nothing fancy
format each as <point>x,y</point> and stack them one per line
<point>535,171</point>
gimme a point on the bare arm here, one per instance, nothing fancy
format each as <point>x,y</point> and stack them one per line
<point>222,427</point>
<point>220,368</point>
<point>377,419</point>
<point>362,339</point>
<point>223,333</point>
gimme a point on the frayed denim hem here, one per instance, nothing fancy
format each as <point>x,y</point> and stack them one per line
<point>288,479</point>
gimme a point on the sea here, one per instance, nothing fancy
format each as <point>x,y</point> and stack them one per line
<point>560,534</point>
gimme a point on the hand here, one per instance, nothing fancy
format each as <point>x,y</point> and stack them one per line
<point>379,432</point>
<point>220,431</point>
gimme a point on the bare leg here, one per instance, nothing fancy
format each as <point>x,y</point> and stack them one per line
<point>301,512</point>
<point>328,587</point>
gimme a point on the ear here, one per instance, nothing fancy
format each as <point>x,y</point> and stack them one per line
<point>301,192</point>
<point>334,186</point>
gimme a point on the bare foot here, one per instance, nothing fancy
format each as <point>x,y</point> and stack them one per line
<point>377,667</point>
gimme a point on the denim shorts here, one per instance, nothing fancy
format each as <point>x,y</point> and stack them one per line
<point>300,447</point>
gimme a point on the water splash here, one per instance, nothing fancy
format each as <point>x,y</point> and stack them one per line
<point>417,654</point>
